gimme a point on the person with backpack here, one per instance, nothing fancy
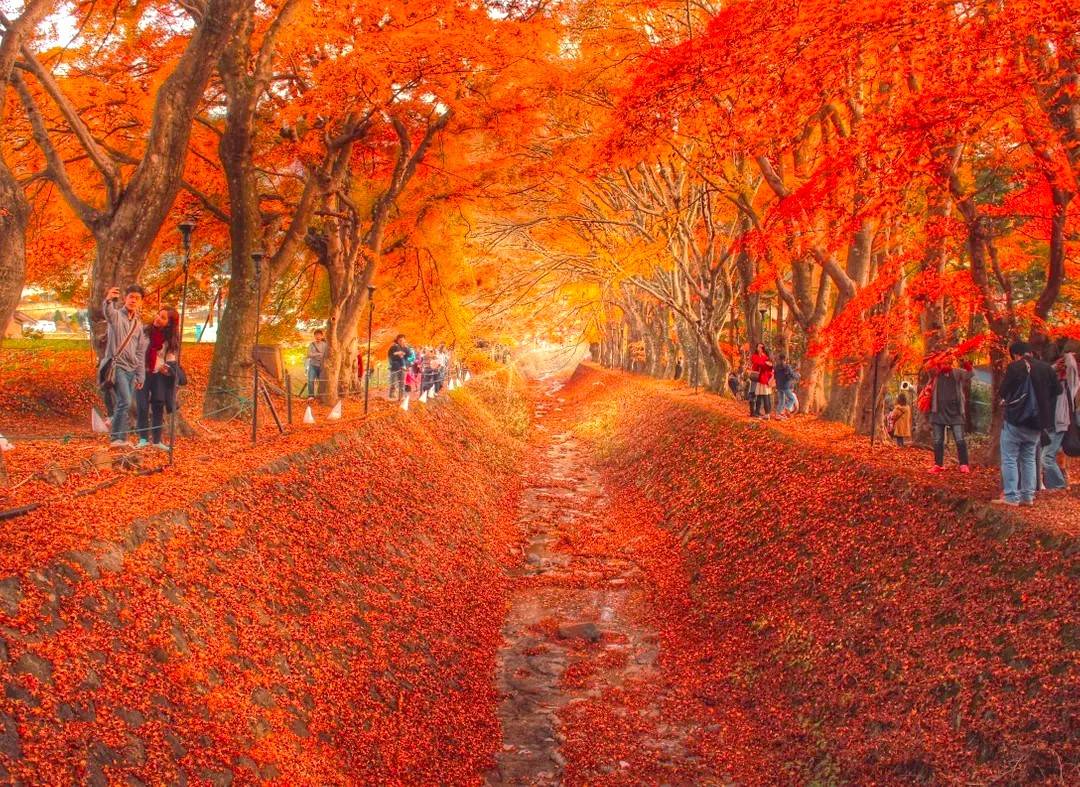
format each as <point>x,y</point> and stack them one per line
<point>944,401</point>
<point>123,367</point>
<point>786,378</point>
<point>1028,394</point>
<point>1065,418</point>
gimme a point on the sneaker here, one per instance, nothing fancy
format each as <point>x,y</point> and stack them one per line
<point>143,443</point>
<point>935,469</point>
<point>1001,501</point>
<point>161,446</point>
<point>965,469</point>
<point>119,444</point>
<point>1027,503</point>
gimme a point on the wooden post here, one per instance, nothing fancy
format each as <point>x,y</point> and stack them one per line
<point>288,397</point>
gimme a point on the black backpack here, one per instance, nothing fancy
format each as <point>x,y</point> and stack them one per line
<point>1023,408</point>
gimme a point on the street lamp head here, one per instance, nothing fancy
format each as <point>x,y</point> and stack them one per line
<point>186,227</point>
<point>370,291</point>
<point>257,257</point>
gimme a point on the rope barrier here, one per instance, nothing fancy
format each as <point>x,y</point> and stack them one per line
<point>372,417</point>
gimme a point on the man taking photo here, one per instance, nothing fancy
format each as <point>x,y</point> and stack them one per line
<point>123,367</point>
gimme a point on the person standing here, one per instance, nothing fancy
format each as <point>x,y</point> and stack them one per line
<point>1054,478</point>
<point>158,394</point>
<point>429,379</point>
<point>316,355</point>
<point>397,358</point>
<point>443,357</point>
<point>1028,396</point>
<point>900,416</point>
<point>761,366</point>
<point>123,366</point>
<point>947,413</point>
<point>786,377</point>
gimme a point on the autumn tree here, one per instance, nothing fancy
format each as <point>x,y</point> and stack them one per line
<point>14,206</point>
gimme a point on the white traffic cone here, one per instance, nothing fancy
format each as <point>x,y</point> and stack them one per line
<point>405,403</point>
<point>423,397</point>
<point>468,376</point>
<point>335,414</point>
<point>308,417</point>
<point>98,424</point>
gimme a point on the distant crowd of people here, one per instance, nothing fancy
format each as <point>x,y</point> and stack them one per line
<point>1039,401</point>
<point>410,370</point>
<point>141,366</point>
<point>768,383</point>
<point>424,372</point>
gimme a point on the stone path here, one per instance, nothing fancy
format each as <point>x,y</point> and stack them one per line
<point>569,610</point>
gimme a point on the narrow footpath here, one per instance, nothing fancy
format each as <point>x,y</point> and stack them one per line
<point>576,637</point>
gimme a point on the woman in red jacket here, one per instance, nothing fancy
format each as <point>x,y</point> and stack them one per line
<point>761,366</point>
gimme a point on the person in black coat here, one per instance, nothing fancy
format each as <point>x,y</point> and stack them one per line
<point>1028,411</point>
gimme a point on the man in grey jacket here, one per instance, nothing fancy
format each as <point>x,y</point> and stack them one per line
<point>125,345</point>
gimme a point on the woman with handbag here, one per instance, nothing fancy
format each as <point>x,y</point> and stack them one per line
<point>761,366</point>
<point>158,395</point>
<point>1054,478</point>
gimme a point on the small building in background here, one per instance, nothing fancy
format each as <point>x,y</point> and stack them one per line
<point>19,323</point>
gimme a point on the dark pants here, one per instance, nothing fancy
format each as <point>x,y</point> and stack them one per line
<point>762,404</point>
<point>899,440</point>
<point>958,438</point>
<point>397,384</point>
<point>151,403</point>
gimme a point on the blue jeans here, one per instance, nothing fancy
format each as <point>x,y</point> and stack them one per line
<point>1018,475</point>
<point>1053,477</point>
<point>125,393</point>
<point>313,375</point>
<point>787,400</point>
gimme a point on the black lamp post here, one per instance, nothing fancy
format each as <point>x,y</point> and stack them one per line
<point>367,366</point>
<point>186,228</point>
<point>257,258</point>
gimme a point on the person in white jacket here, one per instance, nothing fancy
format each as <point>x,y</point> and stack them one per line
<point>1053,475</point>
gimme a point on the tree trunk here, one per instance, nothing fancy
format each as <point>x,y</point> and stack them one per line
<point>341,333</point>
<point>14,213</point>
<point>231,365</point>
<point>813,380</point>
<point>127,234</point>
<point>843,400</point>
<point>14,207</point>
<point>869,400</point>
